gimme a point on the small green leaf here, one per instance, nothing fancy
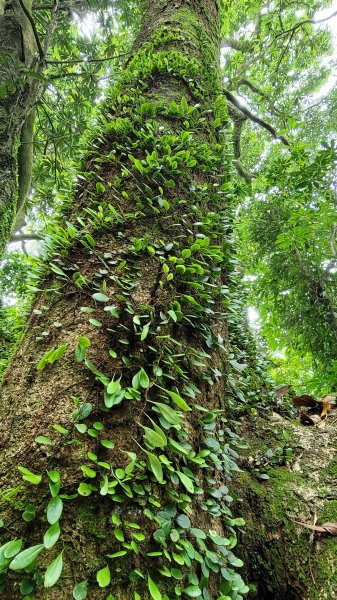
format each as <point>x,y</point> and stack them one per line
<point>88,472</point>
<point>29,513</point>
<point>140,379</point>
<point>117,554</point>
<point>179,401</point>
<point>155,466</point>
<point>153,438</point>
<point>53,572</point>
<point>112,310</point>
<point>29,476</point>
<point>193,591</point>
<point>52,535</point>
<point>80,590</point>
<point>108,444</point>
<point>103,577</point>
<point>153,589</point>
<point>168,413</point>
<point>186,481</point>
<point>183,521</point>
<point>13,548</point>
<point>81,427</point>
<point>41,439</point>
<point>54,510</point>
<point>145,332</point>
<point>115,518</point>
<point>113,387</point>
<point>96,323</point>
<point>99,297</point>
<point>27,586</point>
<point>26,557</point>
<point>60,429</point>
<point>84,489</point>
<point>119,535</point>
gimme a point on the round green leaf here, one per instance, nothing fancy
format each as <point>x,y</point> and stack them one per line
<point>183,521</point>
<point>100,297</point>
<point>80,590</point>
<point>103,577</point>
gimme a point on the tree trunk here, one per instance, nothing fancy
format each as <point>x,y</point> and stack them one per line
<point>129,326</point>
<point>284,559</point>
<point>18,95</point>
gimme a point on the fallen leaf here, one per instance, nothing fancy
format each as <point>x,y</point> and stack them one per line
<point>310,419</point>
<point>281,391</point>
<point>330,399</point>
<point>324,528</point>
<point>304,400</point>
<point>326,406</point>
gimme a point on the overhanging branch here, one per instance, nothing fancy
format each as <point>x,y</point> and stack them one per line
<point>255,118</point>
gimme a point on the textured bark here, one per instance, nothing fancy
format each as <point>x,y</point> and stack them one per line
<point>32,401</point>
<point>19,94</point>
<point>283,559</point>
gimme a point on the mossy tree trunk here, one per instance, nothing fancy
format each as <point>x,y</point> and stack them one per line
<point>19,93</point>
<point>129,332</point>
<point>283,559</point>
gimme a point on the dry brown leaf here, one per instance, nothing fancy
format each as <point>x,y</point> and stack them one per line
<point>281,391</point>
<point>324,528</point>
<point>326,406</point>
<point>304,400</point>
<point>310,419</point>
<point>330,399</point>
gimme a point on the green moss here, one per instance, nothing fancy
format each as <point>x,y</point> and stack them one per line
<point>93,523</point>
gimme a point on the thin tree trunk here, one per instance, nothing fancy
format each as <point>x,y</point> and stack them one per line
<point>18,95</point>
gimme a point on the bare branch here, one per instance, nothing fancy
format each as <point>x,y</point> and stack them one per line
<point>292,30</point>
<point>24,237</point>
<point>255,118</point>
<point>84,60</point>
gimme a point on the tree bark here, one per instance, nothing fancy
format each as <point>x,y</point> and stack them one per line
<point>18,95</point>
<point>148,241</point>
<point>283,558</point>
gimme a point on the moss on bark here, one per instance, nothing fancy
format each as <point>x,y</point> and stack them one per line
<point>282,558</point>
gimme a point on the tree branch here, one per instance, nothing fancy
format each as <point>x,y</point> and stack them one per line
<point>238,121</point>
<point>89,60</point>
<point>24,237</point>
<point>33,26</point>
<point>298,25</point>
<point>255,118</point>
